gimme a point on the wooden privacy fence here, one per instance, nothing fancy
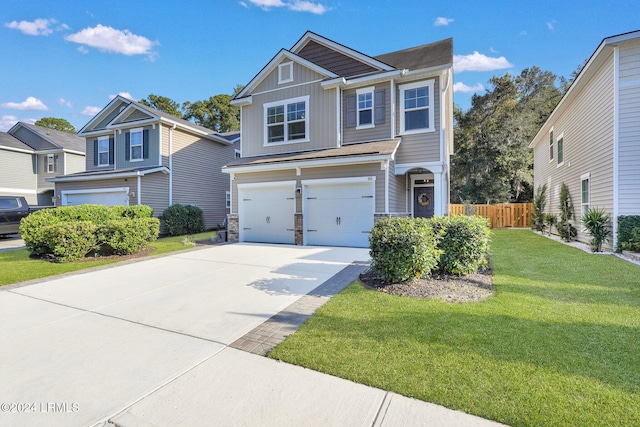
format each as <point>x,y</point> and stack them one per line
<point>517,215</point>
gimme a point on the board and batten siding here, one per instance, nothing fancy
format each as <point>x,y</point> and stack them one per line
<point>197,178</point>
<point>380,131</point>
<point>420,147</point>
<point>587,127</point>
<point>18,177</point>
<point>629,131</point>
<point>321,116</point>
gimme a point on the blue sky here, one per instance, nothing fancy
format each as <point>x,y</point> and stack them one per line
<point>69,58</point>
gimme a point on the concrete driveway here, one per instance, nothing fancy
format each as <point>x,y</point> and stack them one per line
<point>147,344</point>
<point>11,242</point>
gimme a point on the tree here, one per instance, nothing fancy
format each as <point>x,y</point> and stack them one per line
<point>215,113</point>
<point>57,124</point>
<point>492,162</point>
<point>162,103</point>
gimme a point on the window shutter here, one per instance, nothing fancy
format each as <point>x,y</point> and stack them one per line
<point>127,146</point>
<point>95,152</point>
<point>351,111</point>
<point>111,150</point>
<point>55,163</point>
<point>378,101</point>
<point>145,144</point>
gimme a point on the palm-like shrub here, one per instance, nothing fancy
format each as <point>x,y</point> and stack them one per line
<point>596,221</point>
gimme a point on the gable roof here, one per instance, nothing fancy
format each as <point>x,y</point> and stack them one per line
<point>420,57</point>
<point>12,143</point>
<point>587,72</point>
<point>58,139</point>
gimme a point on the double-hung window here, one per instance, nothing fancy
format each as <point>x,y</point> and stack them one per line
<point>416,104</point>
<point>287,121</point>
<point>365,107</point>
<point>585,187</point>
<point>551,145</point>
<point>51,163</point>
<point>136,147</point>
<point>560,149</point>
<point>103,151</point>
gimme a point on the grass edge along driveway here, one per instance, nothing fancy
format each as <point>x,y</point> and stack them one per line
<point>557,344</point>
<point>16,266</point>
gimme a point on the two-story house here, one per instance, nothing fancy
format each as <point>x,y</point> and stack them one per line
<point>591,140</point>
<point>333,139</point>
<point>139,155</point>
<point>31,154</point>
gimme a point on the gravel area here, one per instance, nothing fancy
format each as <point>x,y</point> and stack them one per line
<point>469,288</point>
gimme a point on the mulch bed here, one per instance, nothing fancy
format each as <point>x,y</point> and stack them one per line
<point>468,288</point>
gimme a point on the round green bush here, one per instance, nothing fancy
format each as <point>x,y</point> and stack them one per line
<point>183,219</point>
<point>403,248</point>
<point>464,243</point>
<point>70,241</point>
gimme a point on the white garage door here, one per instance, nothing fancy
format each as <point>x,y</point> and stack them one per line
<point>339,214</point>
<point>266,213</point>
<point>109,198</point>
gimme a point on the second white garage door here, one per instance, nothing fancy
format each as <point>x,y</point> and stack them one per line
<point>109,197</point>
<point>266,212</point>
<point>338,213</point>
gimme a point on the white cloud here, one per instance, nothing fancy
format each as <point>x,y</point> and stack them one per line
<point>7,122</point>
<point>479,62</point>
<point>124,95</point>
<point>551,25</point>
<point>39,27</point>
<point>442,21</point>
<point>293,5</point>
<point>107,39</point>
<point>463,88</point>
<point>31,103</point>
<point>65,102</point>
<point>90,111</point>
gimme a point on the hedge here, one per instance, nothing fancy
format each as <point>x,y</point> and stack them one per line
<point>464,242</point>
<point>403,248</point>
<point>183,219</point>
<point>626,225</point>
<point>102,229</point>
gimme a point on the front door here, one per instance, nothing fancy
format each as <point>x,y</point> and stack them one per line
<point>423,202</point>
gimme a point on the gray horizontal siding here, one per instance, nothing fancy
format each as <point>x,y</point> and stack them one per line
<point>90,151</point>
<point>380,131</point>
<point>42,170</point>
<point>155,192</point>
<point>629,150</point>
<point>121,152</point>
<point>18,175</point>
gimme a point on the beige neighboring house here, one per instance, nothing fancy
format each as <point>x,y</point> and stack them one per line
<point>139,155</point>
<point>333,139</point>
<point>31,154</point>
<point>591,141</point>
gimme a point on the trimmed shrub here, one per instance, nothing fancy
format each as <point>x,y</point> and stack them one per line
<point>70,241</point>
<point>183,219</point>
<point>463,244</point>
<point>633,244</point>
<point>626,225</point>
<point>403,248</point>
<point>134,211</point>
<point>126,236</point>
<point>32,230</point>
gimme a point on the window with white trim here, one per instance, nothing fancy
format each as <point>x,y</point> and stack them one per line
<point>365,108</point>
<point>287,121</point>
<point>416,107</point>
<point>551,145</point>
<point>103,151</point>
<point>285,72</point>
<point>585,192</point>
<point>560,144</point>
<point>136,147</point>
<point>238,153</point>
<point>51,163</point>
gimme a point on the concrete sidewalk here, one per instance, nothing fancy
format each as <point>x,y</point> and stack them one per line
<point>11,243</point>
<point>150,344</point>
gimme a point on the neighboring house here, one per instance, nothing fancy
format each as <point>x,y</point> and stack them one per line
<point>591,141</point>
<point>30,154</point>
<point>333,139</point>
<point>139,155</point>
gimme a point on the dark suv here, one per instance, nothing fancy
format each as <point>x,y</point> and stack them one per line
<point>12,210</point>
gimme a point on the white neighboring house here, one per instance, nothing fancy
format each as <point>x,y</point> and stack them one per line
<point>591,141</point>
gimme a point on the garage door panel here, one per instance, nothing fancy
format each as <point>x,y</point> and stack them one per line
<point>267,214</point>
<point>99,198</point>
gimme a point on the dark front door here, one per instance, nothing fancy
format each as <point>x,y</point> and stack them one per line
<point>422,202</point>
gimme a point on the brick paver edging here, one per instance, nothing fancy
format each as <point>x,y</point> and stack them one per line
<point>277,328</point>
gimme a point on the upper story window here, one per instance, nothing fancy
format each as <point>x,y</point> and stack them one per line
<point>365,108</point>
<point>103,151</point>
<point>51,163</point>
<point>285,72</point>
<point>551,145</point>
<point>560,149</point>
<point>416,107</point>
<point>287,121</point>
<point>237,153</point>
<point>136,145</point>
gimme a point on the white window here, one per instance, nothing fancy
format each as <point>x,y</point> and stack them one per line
<point>551,145</point>
<point>228,199</point>
<point>416,104</point>
<point>365,108</point>
<point>51,163</point>
<point>285,72</point>
<point>103,151</point>
<point>560,144</point>
<point>585,193</point>
<point>287,121</point>
<point>238,154</point>
<point>136,153</point>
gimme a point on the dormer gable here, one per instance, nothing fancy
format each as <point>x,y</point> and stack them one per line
<point>101,120</point>
<point>132,114</point>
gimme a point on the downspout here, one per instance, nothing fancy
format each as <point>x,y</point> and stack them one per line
<point>338,117</point>
<point>171,164</point>
<point>386,187</point>
<point>139,201</point>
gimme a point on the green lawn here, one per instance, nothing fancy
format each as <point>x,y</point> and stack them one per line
<point>16,266</point>
<point>557,345</point>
